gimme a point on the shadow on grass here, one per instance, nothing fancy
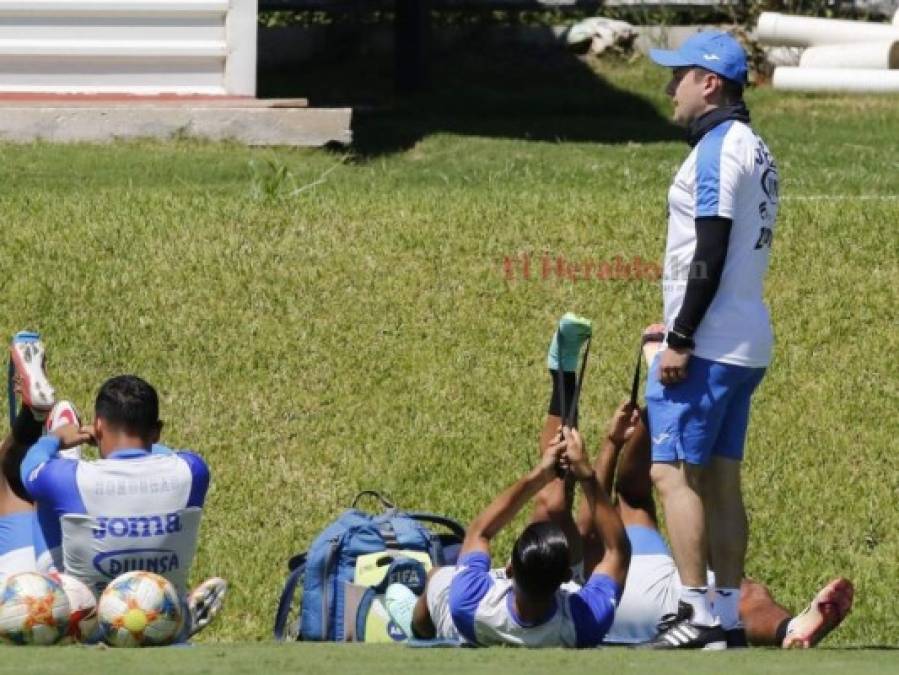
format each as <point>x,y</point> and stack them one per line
<point>540,93</point>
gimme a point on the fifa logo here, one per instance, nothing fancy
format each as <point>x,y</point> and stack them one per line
<point>137,527</point>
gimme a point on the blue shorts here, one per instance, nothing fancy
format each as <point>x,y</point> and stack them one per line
<point>706,415</point>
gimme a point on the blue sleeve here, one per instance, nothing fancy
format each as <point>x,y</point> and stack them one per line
<point>199,472</point>
<point>31,469</point>
<point>593,609</point>
<point>467,589</point>
<point>716,175</point>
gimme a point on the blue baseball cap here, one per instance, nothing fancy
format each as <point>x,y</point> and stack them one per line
<point>715,51</point>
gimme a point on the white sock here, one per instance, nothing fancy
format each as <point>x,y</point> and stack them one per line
<point>698,598</point>
<point>727,608</point>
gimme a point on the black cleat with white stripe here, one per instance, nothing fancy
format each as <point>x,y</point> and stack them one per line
<point>676,632</point>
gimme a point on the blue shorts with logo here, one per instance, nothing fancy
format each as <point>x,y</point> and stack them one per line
<point>706,415</point>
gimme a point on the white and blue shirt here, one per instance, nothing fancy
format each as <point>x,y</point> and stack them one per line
<point>134,510</point>
<point>17,543</point>
<point>729,174</point>
<point>482,607</point>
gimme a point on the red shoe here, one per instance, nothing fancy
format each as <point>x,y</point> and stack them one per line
<point>27,359</point>
<point>831,605</point>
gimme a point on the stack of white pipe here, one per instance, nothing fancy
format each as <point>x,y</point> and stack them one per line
<point>849,56</point>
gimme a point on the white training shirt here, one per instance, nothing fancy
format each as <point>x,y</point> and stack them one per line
<point>134,510</point>
<point>729,174</point>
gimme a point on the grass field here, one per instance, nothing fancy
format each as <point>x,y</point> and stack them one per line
<point>252,659</point>
<point>319,323</point>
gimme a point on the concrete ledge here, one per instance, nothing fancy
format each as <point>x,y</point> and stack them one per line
<point>293,126</point>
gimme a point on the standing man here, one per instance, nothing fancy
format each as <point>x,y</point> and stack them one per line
<point>721,212</point>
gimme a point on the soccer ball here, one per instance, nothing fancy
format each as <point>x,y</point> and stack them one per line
<point>83,605</point>
<point>34,610</point>
<point>140,609</point>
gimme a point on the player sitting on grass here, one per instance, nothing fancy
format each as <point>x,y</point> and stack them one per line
<point>137,507</point>
<point>534,604</point>
<point>653,588</point>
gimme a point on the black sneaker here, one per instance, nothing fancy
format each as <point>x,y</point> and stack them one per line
<point>736,638</point>
<point>676,632</point>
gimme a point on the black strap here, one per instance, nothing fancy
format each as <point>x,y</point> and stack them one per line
<point>452,525</point>
<point>386,503</point>
<point>298,565</point>
<point>572,414</point>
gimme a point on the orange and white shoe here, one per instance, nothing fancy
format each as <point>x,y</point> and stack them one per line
<point>63,413</point>
<point>831,605</point>
<point>28,366</point>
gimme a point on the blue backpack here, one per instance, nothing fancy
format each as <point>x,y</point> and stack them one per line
<point>335,606</point>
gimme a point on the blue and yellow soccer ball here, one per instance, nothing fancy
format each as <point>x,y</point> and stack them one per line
<point>140,609</point>
<point>34,610</point>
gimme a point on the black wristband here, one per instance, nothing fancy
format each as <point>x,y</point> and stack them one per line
<point>679,341</point>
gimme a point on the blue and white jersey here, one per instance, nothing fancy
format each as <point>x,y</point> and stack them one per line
<point>133,510</point>
<point>17,543</point>
<point>482,606</point>
<point>729,174</point>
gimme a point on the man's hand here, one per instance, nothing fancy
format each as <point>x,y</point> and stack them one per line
<point>673,365</point>
<point>549,461</point>
<point>574,458</point>
<point>71,435</point>
<point>623,423</point>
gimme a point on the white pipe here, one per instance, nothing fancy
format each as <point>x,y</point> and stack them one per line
<point>882,55</point>
<point>896,18</point>
<point>836,80</point>
<point>804,31</point>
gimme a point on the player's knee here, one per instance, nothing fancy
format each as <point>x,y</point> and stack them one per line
<point>550,502</point>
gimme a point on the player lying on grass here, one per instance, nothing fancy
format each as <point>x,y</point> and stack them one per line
<point>653,588</point>
<point>137,507</point>
<point>18,523</point>
<point>535,603</point>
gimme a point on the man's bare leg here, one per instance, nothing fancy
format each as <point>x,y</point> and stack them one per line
<point>728,533</point>
<point>679,486</point>
<point>770,624</point>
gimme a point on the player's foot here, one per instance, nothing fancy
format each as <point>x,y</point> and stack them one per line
<point>677,632</point>
<point>28,358</point>
<point>204,602</point>
<point>652,338</point>
<point>61,414</point>
<point>574,332</point>
<point>828,609</point>
<point>400,603</point>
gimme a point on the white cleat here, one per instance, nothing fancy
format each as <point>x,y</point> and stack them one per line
<point>61,414</point>
<point>204,602</point>
<point>29,360</point>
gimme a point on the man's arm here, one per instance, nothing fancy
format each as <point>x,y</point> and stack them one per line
<point>507,505</point>
<point>47,448</point>
<point>621,428</point>
<point>605,520</point>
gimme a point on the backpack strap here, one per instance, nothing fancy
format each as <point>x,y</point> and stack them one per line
<point>386,503</point>
<point>297,565</point>
<point>452,525</point>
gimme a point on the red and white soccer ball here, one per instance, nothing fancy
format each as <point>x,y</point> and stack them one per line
<point>83,606</point>
<point>140,609</point>
<point>34,610</point>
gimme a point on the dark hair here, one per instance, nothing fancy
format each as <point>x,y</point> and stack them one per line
<point>540,560</point>
<point>130,403</point>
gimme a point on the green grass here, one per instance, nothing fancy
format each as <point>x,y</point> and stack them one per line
<point>388,659</point>
<point>360,333</point>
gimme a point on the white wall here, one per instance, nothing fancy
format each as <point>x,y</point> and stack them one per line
<point>128,46</point>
